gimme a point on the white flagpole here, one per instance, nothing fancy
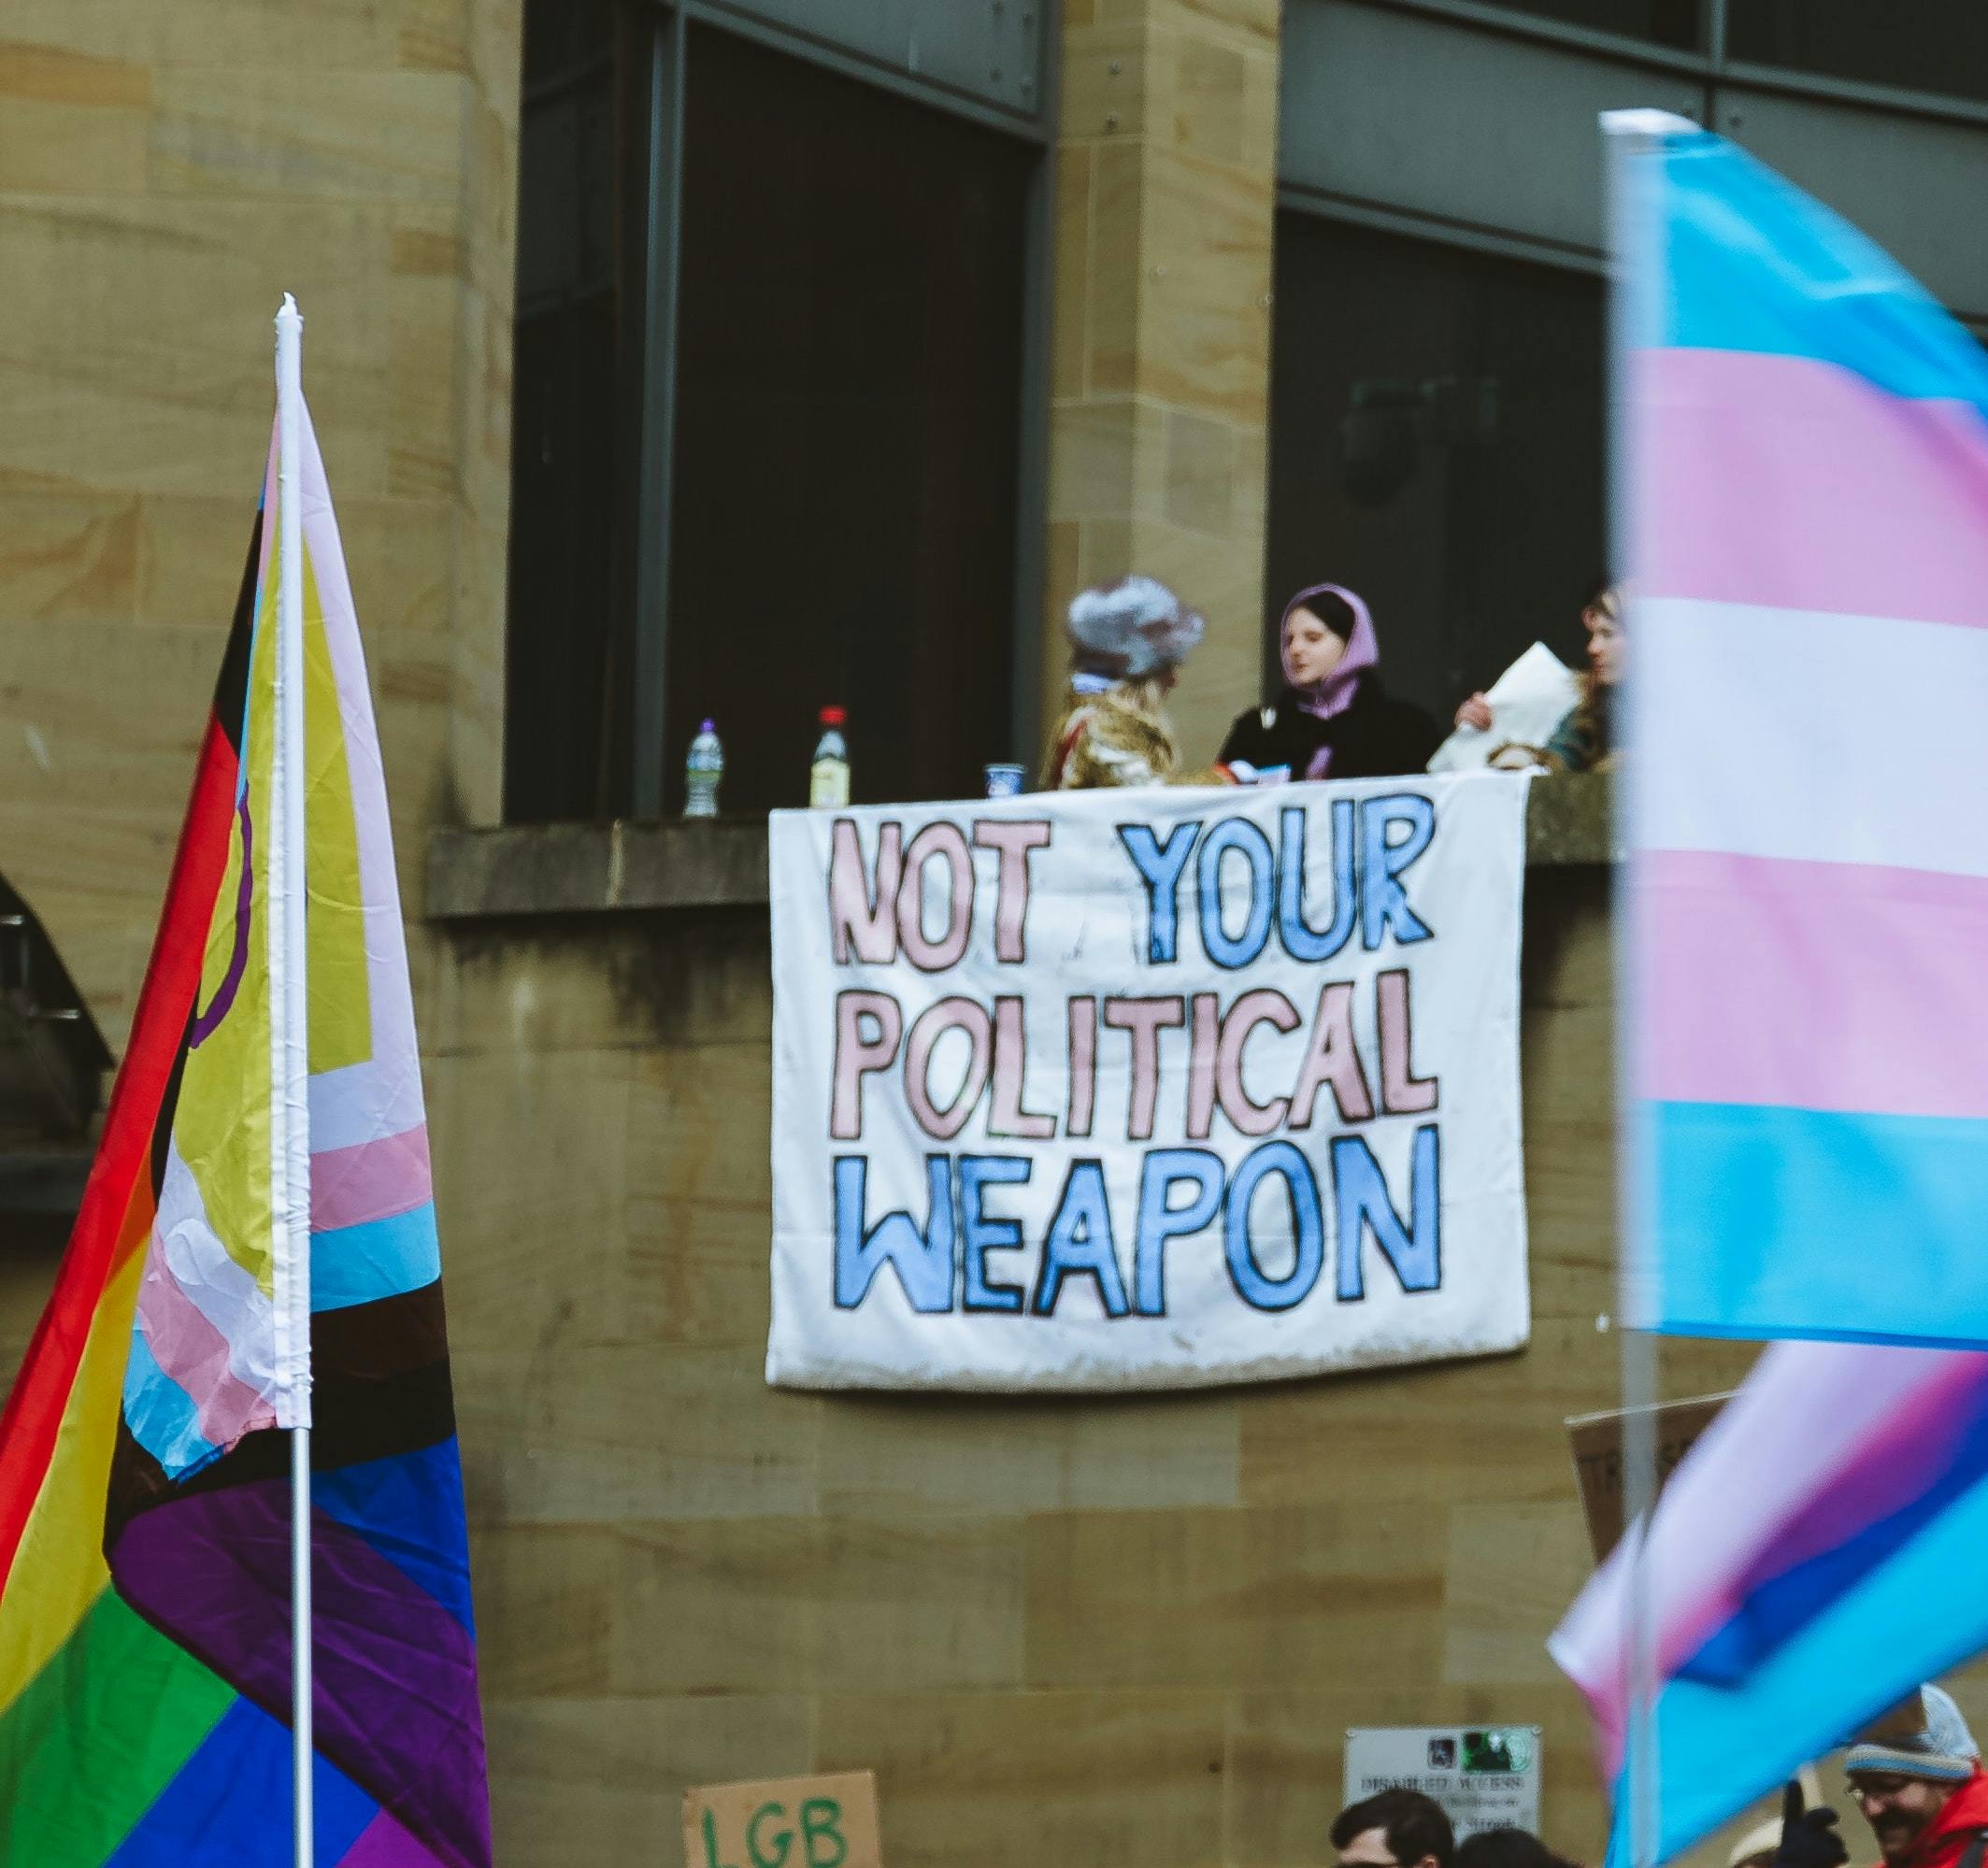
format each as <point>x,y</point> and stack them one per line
<point>1633,136</point>
<point>289,1037</point>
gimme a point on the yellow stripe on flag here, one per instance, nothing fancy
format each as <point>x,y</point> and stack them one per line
<point>59,1571</point>
<point>341,986</point>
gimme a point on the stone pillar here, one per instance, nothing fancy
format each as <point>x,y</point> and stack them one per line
<point>1165,202</point>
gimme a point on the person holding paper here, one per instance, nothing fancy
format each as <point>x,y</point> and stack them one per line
<point>1333,718</point>
<point>1584,740</point>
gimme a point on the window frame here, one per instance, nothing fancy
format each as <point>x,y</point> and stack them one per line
<point>1457,237</point>
<point>1722,84</point>
<point>654,323</point>
<point>1722,88</point>
<point>1710,63</point>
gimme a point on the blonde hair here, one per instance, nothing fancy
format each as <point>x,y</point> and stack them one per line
<point>1122,730</point>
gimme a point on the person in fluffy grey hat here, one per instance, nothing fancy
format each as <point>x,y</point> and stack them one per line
<point>1923,1791</point>
<point>1127,641</point>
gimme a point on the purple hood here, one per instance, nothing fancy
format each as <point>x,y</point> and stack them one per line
<point>1335,693</point>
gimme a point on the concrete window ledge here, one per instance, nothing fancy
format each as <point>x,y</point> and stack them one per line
<point>570,869</point>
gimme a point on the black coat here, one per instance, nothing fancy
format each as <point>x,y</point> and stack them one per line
<point>1376,737</point>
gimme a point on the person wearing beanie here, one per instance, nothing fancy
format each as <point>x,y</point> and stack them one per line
<point>1923,1791</point>
<point>1331,718</point>
<point>1127,641</point>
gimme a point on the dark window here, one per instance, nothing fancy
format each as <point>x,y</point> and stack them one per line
<point>1436,443</point>
<point>1668,22</point>
<point>850,300</point>
<point>1938,46</point>
<point>572,374</point>
<point>848,431</point>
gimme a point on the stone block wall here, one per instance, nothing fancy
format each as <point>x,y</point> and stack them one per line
<point>167,173</point>
<point>1166,190</point>
<point>1132,1630</point>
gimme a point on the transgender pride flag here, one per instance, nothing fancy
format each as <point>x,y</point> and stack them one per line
<point>1804,452</point>
<point>1814,1559</point>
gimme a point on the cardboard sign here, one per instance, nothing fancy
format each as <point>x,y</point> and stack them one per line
<point>784,1822</point>
<point>1596,1442</point>
<point>1484,1776</point>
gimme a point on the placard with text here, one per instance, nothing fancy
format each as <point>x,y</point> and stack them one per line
<point>1151,1089</point>
<point>784,1822</point>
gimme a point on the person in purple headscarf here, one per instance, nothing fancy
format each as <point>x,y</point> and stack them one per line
<point>1332,720</point>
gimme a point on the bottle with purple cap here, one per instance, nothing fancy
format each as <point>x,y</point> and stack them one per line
<point>702,771</point>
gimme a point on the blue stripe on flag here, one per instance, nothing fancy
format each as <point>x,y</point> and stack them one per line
<point>409,1508</point>
<point>1780,1608</point>
<point>161,1414</point>
<point>1755,265</point>
<point>1829,1224</point>
<point>230,1802</point>
<point>380,1258</point>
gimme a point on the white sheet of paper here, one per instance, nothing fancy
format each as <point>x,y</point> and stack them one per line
<point>1527,702</point>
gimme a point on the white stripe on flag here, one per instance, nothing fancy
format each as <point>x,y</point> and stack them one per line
<point>1801,733</point>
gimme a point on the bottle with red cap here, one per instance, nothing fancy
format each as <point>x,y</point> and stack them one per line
<point>828,778</point>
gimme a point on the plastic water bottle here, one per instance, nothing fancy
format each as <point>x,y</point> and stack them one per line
<point>702,771</point>
<point>828,777</point>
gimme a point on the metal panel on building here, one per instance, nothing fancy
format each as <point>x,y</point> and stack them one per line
<point>1444,119</point>
<point>990,51</point>
<point>1479,128</point>
<point>1913,183</point>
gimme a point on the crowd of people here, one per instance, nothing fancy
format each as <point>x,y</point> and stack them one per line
<point>1332,718</point>
<point>1923,1793</point>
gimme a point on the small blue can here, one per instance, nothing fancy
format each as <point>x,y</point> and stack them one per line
<point>1004,781</point>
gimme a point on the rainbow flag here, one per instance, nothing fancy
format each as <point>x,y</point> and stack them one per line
<point>1815,1557</point>
<point>1805,457</point>
<point>144,1656</point>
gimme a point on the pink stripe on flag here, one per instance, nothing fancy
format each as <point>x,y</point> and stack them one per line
<point>194,1354</point>
<point>1792,483</point>
<point>1812,985</point>
<point>370,1181</point>
<point>1765,1488</point>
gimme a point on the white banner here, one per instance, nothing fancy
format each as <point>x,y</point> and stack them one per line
<point>1154,1089</point>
